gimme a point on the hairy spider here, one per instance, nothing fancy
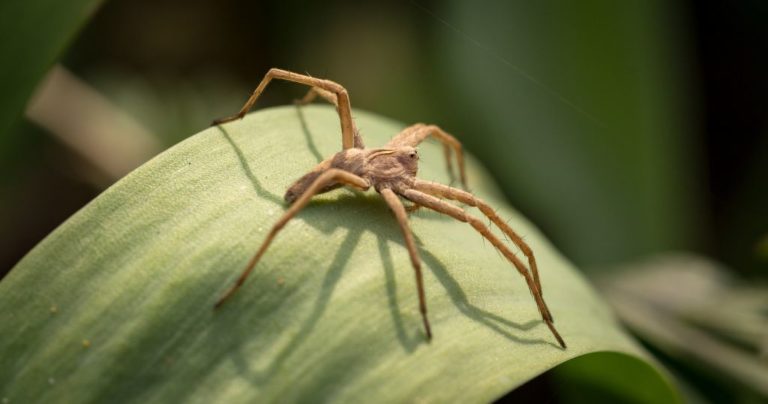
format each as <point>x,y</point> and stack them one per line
<point>391,171</point>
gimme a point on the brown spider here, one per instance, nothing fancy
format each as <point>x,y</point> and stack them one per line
<point>391,171</point>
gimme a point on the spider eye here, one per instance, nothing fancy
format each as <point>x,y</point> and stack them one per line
<point>413,154</point>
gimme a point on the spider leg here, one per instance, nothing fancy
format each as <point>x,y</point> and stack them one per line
<point>444,191</point>
<point>402,219</point>
<point>415,134</point>
<point>348,131</point>
<point>412,208</point>
<point>314,92</point>
<point>438,205</point>
<point>333,175</point>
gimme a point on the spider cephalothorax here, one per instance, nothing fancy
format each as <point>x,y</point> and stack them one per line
<point>391,171</point>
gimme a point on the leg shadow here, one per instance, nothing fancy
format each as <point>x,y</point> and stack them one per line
<point>493,321</point>
<point>307,135</point>
<point>332,277</point>
<point>409,343</point>
<point>247,169</point>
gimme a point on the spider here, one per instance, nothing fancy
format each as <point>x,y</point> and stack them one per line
<point>391,171</point>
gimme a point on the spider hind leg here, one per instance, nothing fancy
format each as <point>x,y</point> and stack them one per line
<point>446,208</point>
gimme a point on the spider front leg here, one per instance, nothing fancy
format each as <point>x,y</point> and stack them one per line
<point>332,175</point>
<point>402,219</point>
<point>445,191</point>
<point>343,107</point>
<point>415,134</point>
<point>438,205</point>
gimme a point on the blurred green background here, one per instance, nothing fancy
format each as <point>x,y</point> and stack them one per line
<point>622,129</point>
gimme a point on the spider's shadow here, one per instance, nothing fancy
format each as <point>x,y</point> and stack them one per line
<point>409,333</point>
<point>386,231</point>
<point>307,134</point>
<point>246,168</point>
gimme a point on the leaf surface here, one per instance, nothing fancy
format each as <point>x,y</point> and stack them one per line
<point>116,304</point>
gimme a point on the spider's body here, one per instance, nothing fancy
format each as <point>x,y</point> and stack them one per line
<point>391,171</point>
<point>393,168</point>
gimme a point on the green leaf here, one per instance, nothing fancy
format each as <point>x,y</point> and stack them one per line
<point>116,304</point>
<point>34,33</point>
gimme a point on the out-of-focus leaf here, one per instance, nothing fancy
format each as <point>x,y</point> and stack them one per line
<point>762,248</point>
<point>695,312</point>
<point>116,304</point>
<point>34,33</point>
<point>580,116</point>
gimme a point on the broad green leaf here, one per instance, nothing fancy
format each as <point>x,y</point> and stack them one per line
<point>33,35</point>
<point>116,304</point>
